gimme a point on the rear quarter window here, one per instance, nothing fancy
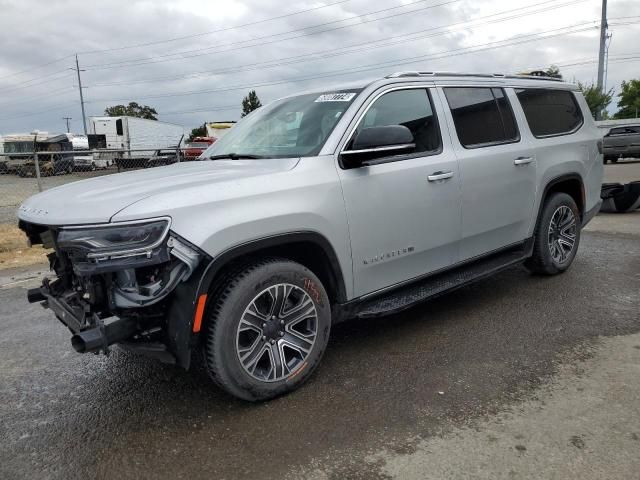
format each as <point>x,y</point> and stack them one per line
<point>550,112</point>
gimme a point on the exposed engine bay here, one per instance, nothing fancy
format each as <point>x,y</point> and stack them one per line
<point>112,281</point>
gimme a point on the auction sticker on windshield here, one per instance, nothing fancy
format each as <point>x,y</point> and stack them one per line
<point>336,97</point>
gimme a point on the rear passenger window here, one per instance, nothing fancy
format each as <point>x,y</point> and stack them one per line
<point>411,108</point>
<point>482,116</point>
<point>550,112</point>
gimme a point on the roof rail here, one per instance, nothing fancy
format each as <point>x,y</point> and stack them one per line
<point>462,74</point>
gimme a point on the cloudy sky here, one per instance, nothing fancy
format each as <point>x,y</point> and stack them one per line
<point>193,61</point>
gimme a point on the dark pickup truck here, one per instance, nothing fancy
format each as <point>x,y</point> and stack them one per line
<point>623,141</point>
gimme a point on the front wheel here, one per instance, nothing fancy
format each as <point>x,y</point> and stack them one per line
<point>556,237</point>
<point>267,329</point>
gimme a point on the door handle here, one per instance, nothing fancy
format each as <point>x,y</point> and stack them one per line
<point>435,176</point>
<point>523,160</point>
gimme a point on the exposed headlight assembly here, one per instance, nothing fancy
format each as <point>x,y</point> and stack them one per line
<point>117,241</point>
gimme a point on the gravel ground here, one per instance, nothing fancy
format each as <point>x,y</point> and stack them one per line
<point>385,385</point>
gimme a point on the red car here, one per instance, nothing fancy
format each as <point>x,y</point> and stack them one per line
<point>194,149</point>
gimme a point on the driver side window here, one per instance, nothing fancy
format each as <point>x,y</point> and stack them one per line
<point>411,108</point>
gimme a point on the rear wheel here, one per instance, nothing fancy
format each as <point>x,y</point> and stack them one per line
<point>556,237</point>
<point>268,329</point>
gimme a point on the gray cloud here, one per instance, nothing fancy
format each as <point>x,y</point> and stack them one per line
<point>33,33</point>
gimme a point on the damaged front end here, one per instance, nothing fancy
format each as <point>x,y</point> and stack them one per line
<point>114,283</point>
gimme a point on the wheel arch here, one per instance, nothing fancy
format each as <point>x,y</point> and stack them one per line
<point>310,249</point>
<point>572,184</point>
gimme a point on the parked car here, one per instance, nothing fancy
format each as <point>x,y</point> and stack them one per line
<point>623,141</point>
<point>194,149</point>
<point>162,157</point>
<point>316,208</point>
<point>55,156</point>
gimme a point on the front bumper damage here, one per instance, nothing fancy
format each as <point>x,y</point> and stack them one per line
<point>126,300</point>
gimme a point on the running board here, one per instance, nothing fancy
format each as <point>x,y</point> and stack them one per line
<point>440,283</point>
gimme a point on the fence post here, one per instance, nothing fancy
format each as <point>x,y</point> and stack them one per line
<point>37,162</point>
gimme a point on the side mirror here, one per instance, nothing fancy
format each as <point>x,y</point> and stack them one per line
<point>375,142</point>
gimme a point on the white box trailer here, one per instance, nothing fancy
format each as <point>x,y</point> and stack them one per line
<point>218,130</point>
<point>132,133</point>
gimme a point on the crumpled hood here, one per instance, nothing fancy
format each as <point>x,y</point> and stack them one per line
<point>97,200</point>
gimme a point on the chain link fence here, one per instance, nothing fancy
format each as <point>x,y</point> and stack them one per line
<point>26,173</point>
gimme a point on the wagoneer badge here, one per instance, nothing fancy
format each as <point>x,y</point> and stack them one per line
<point>386,256</point>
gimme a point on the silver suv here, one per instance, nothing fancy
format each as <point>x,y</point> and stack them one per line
<point>350,202</point>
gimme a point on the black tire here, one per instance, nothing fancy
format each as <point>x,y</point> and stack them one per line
<point>614,159</point>
<point>542,261</point>
<point>222,350</point>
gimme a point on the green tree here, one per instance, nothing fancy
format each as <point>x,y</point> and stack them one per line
<point>198,132</point>
<point>132,110</point>
<point>597,100</point>
<point>629,100</point>
<point>250,103</point>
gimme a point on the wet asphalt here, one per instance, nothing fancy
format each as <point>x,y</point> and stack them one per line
<point>463,356</point>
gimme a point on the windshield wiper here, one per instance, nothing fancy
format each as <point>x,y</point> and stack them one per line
<point>234,156</point>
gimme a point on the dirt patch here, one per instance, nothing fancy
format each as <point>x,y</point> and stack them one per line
<point>14,251</point>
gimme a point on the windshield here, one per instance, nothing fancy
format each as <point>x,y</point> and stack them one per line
<point>291,127</point>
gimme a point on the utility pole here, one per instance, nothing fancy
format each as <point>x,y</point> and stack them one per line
<point>67,120</point>
<point>84,120</point>
<point>606,62</point>
<point>603,41</point>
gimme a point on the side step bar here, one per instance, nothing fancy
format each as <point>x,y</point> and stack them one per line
<point>438,283</point>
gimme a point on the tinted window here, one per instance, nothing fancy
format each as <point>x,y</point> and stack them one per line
<point>411,108</point>
<point>119,127</point>
<point>550,112</point>
<point>481,115</point>
<point>624,131</point>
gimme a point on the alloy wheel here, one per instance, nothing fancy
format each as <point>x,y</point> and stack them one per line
<point>276,332</point>
<point>562,234</point>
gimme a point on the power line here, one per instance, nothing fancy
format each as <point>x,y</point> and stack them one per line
<point>52,109</point>
<point>40,80</point>
<point>36,67</point>
<point>449,53</point>
<point>211,32</point>
<point>39,97</point>
<point>355,48</point>
<point>173,39</point>
<point>145,60</point>
<point>629,56</point>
